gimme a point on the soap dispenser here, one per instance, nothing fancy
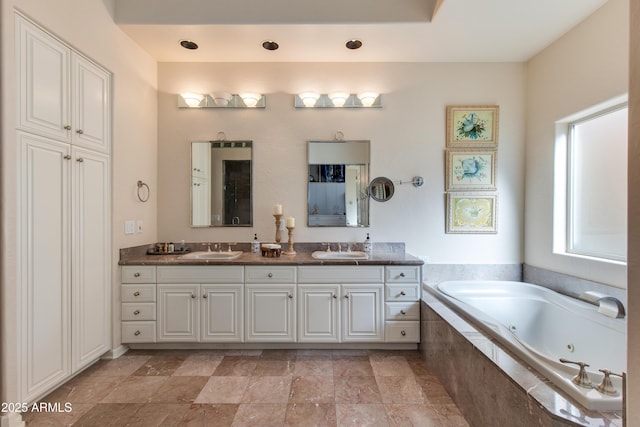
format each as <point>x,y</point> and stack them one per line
<point>368,246</point>
<point>255,245</point>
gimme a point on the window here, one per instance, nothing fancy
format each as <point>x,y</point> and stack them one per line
<point>595,175</point>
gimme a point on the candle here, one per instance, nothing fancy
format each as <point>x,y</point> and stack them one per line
<point>277,209</point>
<point>291,222</point>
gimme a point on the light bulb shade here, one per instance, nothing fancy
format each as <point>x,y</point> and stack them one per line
<point>338,98</point>
<point>192,99</point>
<point>309,99</point>
<point>250,99</point>
<point>368,98</point>
<point>221,99</point>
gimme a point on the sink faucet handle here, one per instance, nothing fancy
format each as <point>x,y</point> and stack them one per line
<point>208,245</point>
<point>582,379</point>
<point>229,246</point>
<point>348,247</point>
<point>328,246</point>
<point>606,386</point>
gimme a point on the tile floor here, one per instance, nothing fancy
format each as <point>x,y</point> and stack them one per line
<point>254,388</point>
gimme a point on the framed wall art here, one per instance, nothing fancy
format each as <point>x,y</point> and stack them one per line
<point>469,126</point>
<point>471,213</point>
<point>470,170</point>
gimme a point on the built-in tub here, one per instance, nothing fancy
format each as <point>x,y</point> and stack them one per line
<point>542,326</point>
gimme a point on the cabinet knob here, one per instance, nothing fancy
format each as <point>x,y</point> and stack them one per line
<point>136,333</point>
<point>79,131</point>
<point>193,296</point>
<point>136,274</point>
<point>204,296</point>
<point>403,333</point>
<point>401,274</point>
<point>347,296</point>
<point>334,296</point>
<point>67,127</point>
<point>402,293</point>
<point>135,313</point>
<point>270,275</point>
<point>403,312</point>
<point>80,160</point>
<point>290,296</point>
<point>67,157</point>
<point>136,294</point>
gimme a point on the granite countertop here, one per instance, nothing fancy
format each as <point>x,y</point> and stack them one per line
<point>383,254</point>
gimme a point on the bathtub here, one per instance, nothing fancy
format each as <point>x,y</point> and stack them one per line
<point>541,326</point>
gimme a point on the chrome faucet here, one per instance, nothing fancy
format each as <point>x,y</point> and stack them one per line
<point>582,379</point>
<point>607,305</point>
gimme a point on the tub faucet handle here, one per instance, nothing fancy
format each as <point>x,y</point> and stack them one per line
<point>582,379</point>
<point>606,386</point>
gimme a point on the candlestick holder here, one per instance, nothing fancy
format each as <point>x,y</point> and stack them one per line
<point>290,250</point>
<point>278,224</point>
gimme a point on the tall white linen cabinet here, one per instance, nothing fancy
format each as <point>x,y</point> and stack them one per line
<point>64,212</point>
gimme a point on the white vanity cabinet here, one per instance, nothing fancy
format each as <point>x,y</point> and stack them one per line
<point>356,312</point>
<point>270,304</point>
<point>200,303</point>
<point>402,303</point>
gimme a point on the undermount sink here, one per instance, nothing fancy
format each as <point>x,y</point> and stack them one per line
<point>212,255</point>
<point>339,255</point>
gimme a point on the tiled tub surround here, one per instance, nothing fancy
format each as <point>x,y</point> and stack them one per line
<point>261,388</point>
<point>491,386</point>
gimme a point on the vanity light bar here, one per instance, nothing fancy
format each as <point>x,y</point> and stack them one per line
<point>338,100</point>
<point>222,100</point>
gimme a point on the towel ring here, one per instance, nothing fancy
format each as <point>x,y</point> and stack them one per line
<point>141,197</point>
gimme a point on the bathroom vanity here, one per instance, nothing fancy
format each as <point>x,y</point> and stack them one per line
<point>286,300</point>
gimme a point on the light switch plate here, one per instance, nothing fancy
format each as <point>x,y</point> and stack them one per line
<point>129,227</point>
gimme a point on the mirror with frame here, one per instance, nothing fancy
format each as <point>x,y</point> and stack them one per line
<point>221,187</point>
<point>338,184</point>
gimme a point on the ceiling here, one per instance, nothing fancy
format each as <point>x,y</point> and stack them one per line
<point>316,31</point>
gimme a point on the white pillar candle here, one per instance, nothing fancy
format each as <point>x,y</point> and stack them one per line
<point>291,222</point>
<point>277,209</point>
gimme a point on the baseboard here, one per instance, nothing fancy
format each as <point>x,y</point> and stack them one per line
<point>115,352</point>
<point>11,419</point>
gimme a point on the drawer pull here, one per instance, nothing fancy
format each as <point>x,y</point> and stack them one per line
<point>403,312</point>
<point>403,293</point>
<point>403,333</point>
<point>136,333</point>
<point>270,275</point>
<point>193,295</point>
<point>135,313</point>
<point>290,296</point>
<point>334,296</point>
<point>204,296</point>
<point>136,294</point>
<point>136,274</point>
<point>401,274</point>
<point>347,296</point>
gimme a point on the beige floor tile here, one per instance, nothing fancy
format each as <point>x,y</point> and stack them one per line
<point>418,415</point>
<point>267,390</point>
<point>57,419</point>
<point>349,368</point>
<point>179,390</point>
<point>310,415</point>
<point>84,389</point>
<point>160,366</point>
<point>399,390</point>
<point>236,366</point>
<point>391,368</point>
<point>226,389</point>
<point>122,366</point>
<point>271,367</point>
<point>134,389</point>
<point>313,367</point>
<point>371,415</point>
<point>197,367</point>
<point>312,390</point>
<point>260,415</point>
<point>209,415</point>
<point>356,390</point>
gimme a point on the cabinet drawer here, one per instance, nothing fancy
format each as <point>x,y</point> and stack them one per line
<point>138,311</point>
<point>402,310</point>
<point>279,274</point>
<point>138,331</point>
<point>226,274</point>
<point>138,293</point>
<point>400,292</point>
<point>139,274</point>
<point>402,331</point>
<point>341,274</point>
<point>403,274</point>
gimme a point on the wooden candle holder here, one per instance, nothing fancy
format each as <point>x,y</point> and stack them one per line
<point>290,250</point>
<point>278,218</point>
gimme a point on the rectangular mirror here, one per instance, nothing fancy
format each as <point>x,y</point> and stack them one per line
<point>338,184</point>
<point>221,193</point>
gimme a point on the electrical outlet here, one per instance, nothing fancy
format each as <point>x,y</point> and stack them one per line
<point>139,226</point>
<point>129,226</point>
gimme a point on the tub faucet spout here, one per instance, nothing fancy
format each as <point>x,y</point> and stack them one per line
<point>607,305</point>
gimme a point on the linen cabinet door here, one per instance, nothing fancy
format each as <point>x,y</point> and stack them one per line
<point>318,313</point>
<point>222,313</point>
<point>178,313</point>
<point>362,313</point>
<point>270,313</point>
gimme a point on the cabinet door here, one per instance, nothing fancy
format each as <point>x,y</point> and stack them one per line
<point>270,313</point>
<point>362,313</point>
<point>44,269</point>
<point>43,73</point>
<point>222,314</point>
<point>178,312</point>
<point>91,105</point>
<point>318,313</point>
<point>91,254</point>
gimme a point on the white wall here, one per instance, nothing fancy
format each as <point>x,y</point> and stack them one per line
<point>89,28</point>
<point>407,139</point>
<point>588,66</point>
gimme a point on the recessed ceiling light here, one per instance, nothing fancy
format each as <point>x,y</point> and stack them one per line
<point>353,44</point>
<point>270,45</point>
<point>188,44</point>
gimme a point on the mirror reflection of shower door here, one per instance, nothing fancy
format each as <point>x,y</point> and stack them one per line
<point>237,192</point>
